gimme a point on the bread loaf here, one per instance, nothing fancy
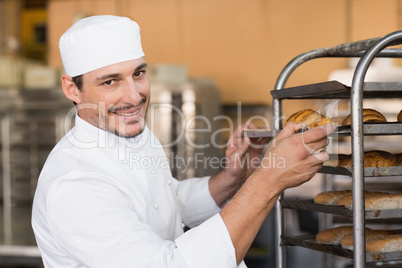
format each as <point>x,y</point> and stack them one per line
<point>340,198</point>
<point>398,159</point>
<point>333,236</point>
<point>347,241</point>
<point>379,158</point>
<point>337,160</point>
<point>369,115</point>
<point>331,197</point>
<point>390,243</point>
<point>399,117</point>
<point>310,117</point>
<point>375,201</point>
<point>376,158</point>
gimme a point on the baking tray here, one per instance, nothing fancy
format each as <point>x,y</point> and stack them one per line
<point>337,90</point>
<point>373,128</point>
<point>368,171</point>
<point>259,133</point>
<point>340,210</point>
<point>308,241</point>
<point>389,128</point>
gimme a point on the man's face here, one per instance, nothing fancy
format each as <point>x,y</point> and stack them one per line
<point>116,97</point>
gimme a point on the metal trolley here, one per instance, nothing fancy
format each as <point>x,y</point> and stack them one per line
<point>366,50</point>
<point>31,123</point>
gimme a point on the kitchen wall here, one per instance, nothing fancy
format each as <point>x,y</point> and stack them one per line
<point>242,44</point>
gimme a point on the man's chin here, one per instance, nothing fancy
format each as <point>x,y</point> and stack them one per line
<point>131,133</point>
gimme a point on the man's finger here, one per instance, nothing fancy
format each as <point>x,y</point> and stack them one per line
<point>313,147</point>
<point>236,137</point>
<point>320,157</point>
<point>289,129</point>
<point>318,133</point>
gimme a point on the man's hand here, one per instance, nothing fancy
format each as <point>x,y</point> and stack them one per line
<point>242,158</point>
<point>293,159</point>
<point>243,155</point>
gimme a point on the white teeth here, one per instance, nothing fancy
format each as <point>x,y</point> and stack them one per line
<point>129,114</point>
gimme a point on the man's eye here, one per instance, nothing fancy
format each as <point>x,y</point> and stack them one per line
<point>139,73</point>
<point>109,82</point>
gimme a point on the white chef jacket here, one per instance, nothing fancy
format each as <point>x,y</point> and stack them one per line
<point>108,201</point>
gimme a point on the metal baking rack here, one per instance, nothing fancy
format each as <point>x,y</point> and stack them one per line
<point>369,129</point>
<point>366,50</point>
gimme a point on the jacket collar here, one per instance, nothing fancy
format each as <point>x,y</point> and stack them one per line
<point>89,136</point>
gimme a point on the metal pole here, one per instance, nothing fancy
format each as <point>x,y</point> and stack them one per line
<point>7,196</point>
<point>359,248</point>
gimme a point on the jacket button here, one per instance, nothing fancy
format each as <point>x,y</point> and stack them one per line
<point>156,206</point>
<point>169,182</point>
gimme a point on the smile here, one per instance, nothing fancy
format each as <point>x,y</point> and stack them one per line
<point>129,114</point>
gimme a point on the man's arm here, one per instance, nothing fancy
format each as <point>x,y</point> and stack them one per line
<point>291,160</point>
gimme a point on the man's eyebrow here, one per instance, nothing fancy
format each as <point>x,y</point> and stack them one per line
<point>117,75</point>
<point>108,76</point>
<point>141,66</point>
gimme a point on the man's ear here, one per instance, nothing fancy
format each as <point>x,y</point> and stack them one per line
<point>70,89</point>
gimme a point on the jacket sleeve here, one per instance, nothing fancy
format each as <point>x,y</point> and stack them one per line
<point>195,201</point>
<point>91,221</point>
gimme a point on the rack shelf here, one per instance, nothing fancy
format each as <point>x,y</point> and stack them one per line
<point>369,129</point>
<point>336,90</point>
<point>309,205</point>
<point>308,241</point>
<point>368,171</point>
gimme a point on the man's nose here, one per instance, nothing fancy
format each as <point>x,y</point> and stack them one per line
<point>131,92</point>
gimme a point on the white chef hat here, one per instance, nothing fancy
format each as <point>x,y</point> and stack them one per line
<point>98,41</point>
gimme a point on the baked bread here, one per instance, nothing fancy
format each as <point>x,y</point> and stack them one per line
<point>347,241</point>
<point>376,158</point>
<point>331,197</point>
<point>310,117</point>
<point>379,158</point>
<point>398,159</point>
<point>337,160</point>
<point>390,243</point>
<point>375,201</point>
<point>399,117</point>
<point>333,236</point>
<point>369,115</point>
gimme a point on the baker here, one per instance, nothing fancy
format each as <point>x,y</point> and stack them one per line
<point>96,206</point>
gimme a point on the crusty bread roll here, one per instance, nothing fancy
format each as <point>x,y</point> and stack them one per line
<point>376,158</point>
<point>369,115</point>
<point>333,236</point>
<point>310,117</point>
<point>375,201</point>
<point>339,198</point>
<point>331,197</point>
<point>398,159</point>
<point>390,243</point>
<point>384,201</point>
<point>399,117</point>
<point>337,160</point>
<point>347,241</point>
